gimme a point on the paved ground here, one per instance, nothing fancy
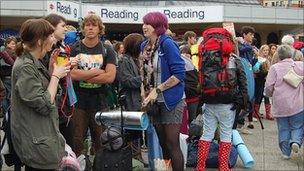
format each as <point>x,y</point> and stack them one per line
<point>263,145</point>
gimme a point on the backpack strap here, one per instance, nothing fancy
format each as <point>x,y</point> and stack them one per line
<point>77,46</point>
<point>104,50</point>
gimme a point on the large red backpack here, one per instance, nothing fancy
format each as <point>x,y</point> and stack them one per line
<point>217,79</point>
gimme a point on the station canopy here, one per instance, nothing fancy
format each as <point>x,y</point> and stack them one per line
<point>175,3</point>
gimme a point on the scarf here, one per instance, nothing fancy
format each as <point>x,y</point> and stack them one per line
<point>146,65</point>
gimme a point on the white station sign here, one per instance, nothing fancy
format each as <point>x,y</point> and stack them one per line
<point>129,15</point>
<point>134,14</point>
<point>67,9</point>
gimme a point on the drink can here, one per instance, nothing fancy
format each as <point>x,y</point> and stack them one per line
<point>62,59</point>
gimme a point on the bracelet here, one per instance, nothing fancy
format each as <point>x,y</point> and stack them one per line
<point>56,77</point>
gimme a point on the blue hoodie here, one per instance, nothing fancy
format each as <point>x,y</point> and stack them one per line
<point>171,64</point>
<point>246,51</point>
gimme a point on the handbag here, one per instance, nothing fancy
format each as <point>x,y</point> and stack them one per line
<point>292,78</point>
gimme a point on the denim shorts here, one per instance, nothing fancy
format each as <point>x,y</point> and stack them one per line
<point>174,116</point>
<point>218,115</point>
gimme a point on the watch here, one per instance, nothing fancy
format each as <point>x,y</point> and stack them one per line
<point>158,91</point>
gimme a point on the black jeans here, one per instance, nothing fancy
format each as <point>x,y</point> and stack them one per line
<point>68,132</point>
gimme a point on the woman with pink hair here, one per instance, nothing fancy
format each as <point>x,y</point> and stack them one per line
<point>163,79</point>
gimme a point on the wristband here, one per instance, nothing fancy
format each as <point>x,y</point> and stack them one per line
<point>56,77</point>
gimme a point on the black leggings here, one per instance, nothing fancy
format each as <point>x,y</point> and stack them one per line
<point>168,135</point>
<point>68,132</point>
<point>259,92</point>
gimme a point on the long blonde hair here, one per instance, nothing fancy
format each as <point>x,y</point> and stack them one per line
<point>261,53</point>
<point>266,65</point>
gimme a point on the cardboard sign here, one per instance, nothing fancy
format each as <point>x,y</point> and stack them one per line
<point>230,27</point>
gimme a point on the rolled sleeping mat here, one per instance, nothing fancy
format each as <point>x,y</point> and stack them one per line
<point>154,148</point>
<point>236,138</point>
<point>132,120</point>
<point>243,151</point>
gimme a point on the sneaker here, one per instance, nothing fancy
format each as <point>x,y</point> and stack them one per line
<point>295,147</point>
<point>285,157</point>
<point>250,126</point>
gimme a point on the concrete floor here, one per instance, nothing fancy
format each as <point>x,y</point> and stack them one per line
<point>263,145</point>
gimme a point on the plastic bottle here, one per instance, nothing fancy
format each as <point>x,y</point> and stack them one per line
<point>231,68</point>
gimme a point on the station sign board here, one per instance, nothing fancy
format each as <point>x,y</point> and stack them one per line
<point>178,15</point>
<point>67,9</point>
<point>134,14</point>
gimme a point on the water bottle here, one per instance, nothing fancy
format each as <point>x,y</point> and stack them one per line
<point>231,69</point>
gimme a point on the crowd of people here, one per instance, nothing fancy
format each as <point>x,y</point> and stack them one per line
<point>158,75</point>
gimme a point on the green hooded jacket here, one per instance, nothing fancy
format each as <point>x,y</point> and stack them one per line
<point>34,119</point>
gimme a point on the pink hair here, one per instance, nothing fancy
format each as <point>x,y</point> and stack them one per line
<point>158,21</point>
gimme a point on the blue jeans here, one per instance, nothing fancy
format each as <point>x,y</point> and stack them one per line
<point>291,130</point>
<point>218,115</point>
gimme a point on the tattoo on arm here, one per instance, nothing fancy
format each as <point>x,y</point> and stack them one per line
<point>170,82</point>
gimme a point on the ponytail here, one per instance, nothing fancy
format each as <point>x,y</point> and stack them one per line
<point>19,48</point>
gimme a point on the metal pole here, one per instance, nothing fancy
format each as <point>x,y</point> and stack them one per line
<point>80,14</point>
<point>289,3</point>
<point>80,8</point>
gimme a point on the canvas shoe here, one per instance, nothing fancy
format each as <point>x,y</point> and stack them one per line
<point>295,147</point>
